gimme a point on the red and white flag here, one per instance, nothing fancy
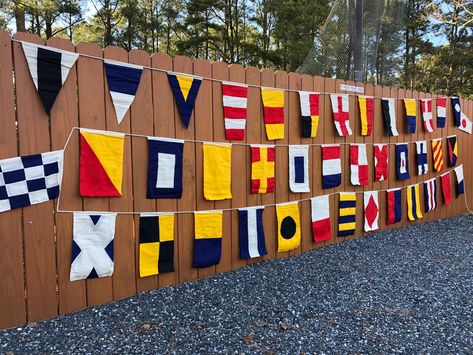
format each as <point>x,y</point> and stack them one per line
<point>426,107</point>
<point>465,123</point>
<point>235,103</point>
<point>380,162</point>
<point>340,108</point>
<point>321,226</point>
<point>371,204</point>
<point>441,111</point>
<point>358,164</point>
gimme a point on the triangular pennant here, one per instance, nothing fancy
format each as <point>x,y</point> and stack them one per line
<point>185,89</point>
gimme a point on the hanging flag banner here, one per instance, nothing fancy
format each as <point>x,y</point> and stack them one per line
<point>447,196</point>
<point>366,104</point>
<point>421,150</point>
<point>441,112</point>
<point>437,154</point>
<point>456,108</point>
<point>358,164</point>
<point>309,113</point>
<point>430,195</point>
<point>235,107</point>
<point>402,162</point>
<point>371,208</point>
<point>459,174</point>
<point>452,151</point>
<point>101,163</point>
<point>426,108</point>
<point>321,226</point>
<point>30,179</point>
<point>389,116</point>
<point>92,245</point>
<point>156,243</point>
<point>217,171</point>
<point>262,169</point>
<point>394,211</point>
<point>299,168</point>
<point>331,166</point>
<point>411,113</point>
<point>347,214</point>
<point>185,89</point>
<point>380,162</point>
<point>465,124</point>
<point>289,229</point>
<point>413,203</point>
<point>208,238</point>
<point>49,68</point>
<point>123,80</point>
<point>341,118</point>
<point>165,167</point>
<point>251,232</point>
<point>273,112</point>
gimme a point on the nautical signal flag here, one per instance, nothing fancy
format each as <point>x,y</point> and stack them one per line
<point>289,228</point>
<point>217,171</point>
<point>208,238</point>
<point>430,195</point>
<point>358,164</point>
<point>262,169</point>
<point>165,167</point>
<point>380,162</point>
<point>437,154</point>
<point>459,174</point>
<point>441,111</point>
<point>341,117</point>
<point>123,81</point>
<point>366,105</point>
<point>371,208</point>
<point>394,211</point>
<point>426,108</point>
<point>347,214</point>
<point>101,163</point>
<point>452,150</point>
<point>456,108</point>
<point>321,226</point>
<point>411,112</point>
<point>235,107</point>
<point>273,112</point>
<point>49,68</point>
<point>331,166</point>
<point>309,113</point>
<point>156,244</point>
<point>299,168</point>
<point>389,116</point>
<point>446,192</point>
<point>402,161</point>
<point>465,124</point>
<point>413,203</point>
<point>421,150</point>
<point>185,89</point>
<point>251,232</point>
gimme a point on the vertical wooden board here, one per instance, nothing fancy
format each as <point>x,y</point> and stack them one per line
<point>447,211</point>
<point>458,205</point>
<point>12,297</point>
<point>418,135</point>
<point>392,179</point>
<point>368,140</point>
<point>401,128</point>
<point>378,136</point>
<point>38,220</point>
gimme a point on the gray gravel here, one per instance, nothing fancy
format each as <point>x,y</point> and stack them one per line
<point>406,291</point>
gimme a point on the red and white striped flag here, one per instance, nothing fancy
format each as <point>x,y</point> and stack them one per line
<point>235,103</point>
<point>426,107</point>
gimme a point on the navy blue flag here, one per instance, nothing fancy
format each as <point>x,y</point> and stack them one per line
<point>252,242</point>
<point>456,108</point>
<point>422,166</point>
<point>402,163</point>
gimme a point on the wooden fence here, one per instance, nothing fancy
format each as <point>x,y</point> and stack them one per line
<point>35,242</point>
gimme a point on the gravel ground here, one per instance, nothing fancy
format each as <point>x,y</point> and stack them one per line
<point>404,291</point>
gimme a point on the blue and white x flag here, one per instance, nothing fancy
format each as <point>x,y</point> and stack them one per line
<point>299,168</point>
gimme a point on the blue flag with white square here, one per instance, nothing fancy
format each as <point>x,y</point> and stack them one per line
<point>251,234</point>
<point>299,168</point>
<point>421,149</point>
<point>402,163</point>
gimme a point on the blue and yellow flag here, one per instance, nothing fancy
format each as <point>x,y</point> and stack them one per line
<point>347,214</point>
<point>413,203</point>
<point>185,89</point>
<point>208,238</point>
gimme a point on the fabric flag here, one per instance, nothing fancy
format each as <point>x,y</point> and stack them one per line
<point>217,171</point>
<point>251,232</point>
<point>371,205</point>
<point>456,108</point>
<point>235,107</point>
<point>208,238</point>
<point>309,113</point>
<point>441,111</point>
<point>289,228</point>
<point>411,112</point>
<point>331,166</point>
<point>185,89</point>
<point>465,124</point>
<point>389,116</point>
<point>437,154</point>
<point>366,104</point>
<point>413,203</point>
<point>101,163</point>
<point>262,169</point>
<point>380,162</point>
<point>459,174</point>
<point>92,245</point>
<point>452,151</point>
<point>341,118</point>
<point>299,168</point>
<point>123,81</point>
<point>430,195</point>
<point>447,196</point>
<point>156,243</point>
<point>273,112</point>
<point>30,179</point>
<point>394,212</point>
<point>422,165</point>
<point>347,214</point>
<point>402,161</point>
<point>358,164</point>
<point>49,68</point>
<point>321,226</point>
<point>426,107</point>
<point>165,167</point>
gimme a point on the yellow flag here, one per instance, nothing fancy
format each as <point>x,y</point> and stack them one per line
<point>217,171</point>
<point>289,229</point>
